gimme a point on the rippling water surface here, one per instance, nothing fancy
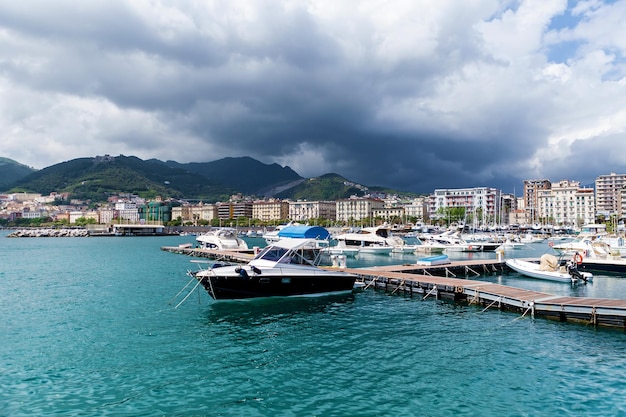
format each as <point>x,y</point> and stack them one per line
<point>88,328</point>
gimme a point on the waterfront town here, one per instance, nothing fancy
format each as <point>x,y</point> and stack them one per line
<point>543,202</point>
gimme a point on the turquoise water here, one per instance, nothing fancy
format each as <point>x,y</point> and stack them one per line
<point>88,328</point>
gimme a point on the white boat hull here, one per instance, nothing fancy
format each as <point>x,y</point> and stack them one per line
<point>531,269</point>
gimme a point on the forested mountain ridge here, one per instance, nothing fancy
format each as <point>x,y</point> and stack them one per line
<point>97,178</point>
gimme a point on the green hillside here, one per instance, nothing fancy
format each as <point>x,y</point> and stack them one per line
<point>97,178</point>
<point>327,187</point>
<point>12,171</point>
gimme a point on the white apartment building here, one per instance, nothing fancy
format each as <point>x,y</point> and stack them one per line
<point>303,211</point>
<point>608,190</point>
<point>355,209</point>
<point>566,204</point>
<point>483,204</point>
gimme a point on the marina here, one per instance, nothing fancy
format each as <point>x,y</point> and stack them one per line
<point>450,282</point>
<point>98,334</point>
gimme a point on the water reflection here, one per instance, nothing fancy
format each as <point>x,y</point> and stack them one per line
<point>265,310</point>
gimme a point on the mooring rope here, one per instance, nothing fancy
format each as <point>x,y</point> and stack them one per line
<point>494,301</point>
<point>190,292</point>
<point>183,289</point>
<point>430,292</point>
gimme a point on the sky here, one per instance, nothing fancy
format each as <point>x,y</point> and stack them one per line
<point>414,95</point>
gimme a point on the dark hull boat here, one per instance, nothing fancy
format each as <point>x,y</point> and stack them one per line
<point>284,269</point>
<point>232,288</point>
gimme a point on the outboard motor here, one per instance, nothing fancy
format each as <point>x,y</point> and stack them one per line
<point>572,270</point>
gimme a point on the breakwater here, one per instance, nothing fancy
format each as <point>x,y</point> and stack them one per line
<point>50,232</point>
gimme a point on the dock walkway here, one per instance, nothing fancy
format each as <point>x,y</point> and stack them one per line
<point>442,282</point>
<point>594,311</point>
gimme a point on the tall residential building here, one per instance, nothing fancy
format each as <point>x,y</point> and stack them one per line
<point>531,198</point>
<point>566,204</point>
<point>608,189</point>
<point>234,210</point>
<point>483,204</point>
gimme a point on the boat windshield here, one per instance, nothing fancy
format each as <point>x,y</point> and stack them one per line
<point>286,256</point>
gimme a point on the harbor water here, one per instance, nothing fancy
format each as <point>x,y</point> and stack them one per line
<point>89,328</point>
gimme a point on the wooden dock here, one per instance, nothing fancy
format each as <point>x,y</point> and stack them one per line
<point>591,311</point>
<point>443,282</point>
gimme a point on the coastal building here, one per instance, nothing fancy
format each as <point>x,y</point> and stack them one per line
<point>416,208</point>
<point>357,208</point>
<point>481,204</point>
<point>608,191</point>
<point>182,213</point>
<point>531,198</point>
<point>125,210</point>
<point>106,215</point>
<point>23,197</point>
<point>508,205</point>
<point>234,210</point>
<point>270,210</point>
<point>302,211</point>
<point>517,214</point>
<point>566,204</point>
<point>27,213</point>
<point>621,205</point>
<point>389,213</point>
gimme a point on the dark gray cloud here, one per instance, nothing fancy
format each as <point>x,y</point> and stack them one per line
<point>413,95</point>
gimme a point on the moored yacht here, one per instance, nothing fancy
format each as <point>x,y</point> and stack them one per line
<point>221,239</point>
<point>371,240</point>
<point>285,268</point>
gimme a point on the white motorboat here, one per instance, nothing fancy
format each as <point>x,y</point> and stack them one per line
<point>427,247</point>
<point>341,249</point>
<point>371,240</point>
<point>285,268</point>
<point>453,242</point>
<point>549,269</point>
<point>221,239</point>
<point>588,234</point>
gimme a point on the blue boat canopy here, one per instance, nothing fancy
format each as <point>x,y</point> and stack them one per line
<point>304,232</point>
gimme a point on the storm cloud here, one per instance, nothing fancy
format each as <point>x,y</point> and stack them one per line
<point>413,95</point>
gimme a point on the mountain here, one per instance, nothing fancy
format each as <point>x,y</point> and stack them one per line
<point>329,187</point>
<point>244,174</point>
<point>97,178</point>
<point>12,171</point>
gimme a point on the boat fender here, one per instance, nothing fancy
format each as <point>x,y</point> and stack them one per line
<point>578,258</point>
<point>256,270</point>
<point>242,272</point>
<point>459,289</point>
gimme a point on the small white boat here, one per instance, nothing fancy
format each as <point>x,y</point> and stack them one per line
<point>433,260</point>
<point>549,269</point>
